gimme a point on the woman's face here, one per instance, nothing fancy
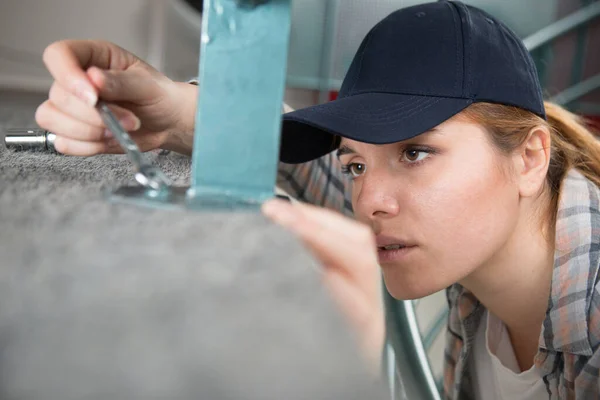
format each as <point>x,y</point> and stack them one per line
<point>442,204</point>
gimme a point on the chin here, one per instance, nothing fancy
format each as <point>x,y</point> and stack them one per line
<point>409,294</point>
<point>406,289</point>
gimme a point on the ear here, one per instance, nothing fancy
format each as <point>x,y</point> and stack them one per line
<point>532,161</point>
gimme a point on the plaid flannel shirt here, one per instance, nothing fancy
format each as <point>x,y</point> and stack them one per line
<point>318,182</point>
<point>568,353</point>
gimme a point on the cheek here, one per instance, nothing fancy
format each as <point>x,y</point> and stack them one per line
<point>358,211</point>
<point>468,216</point>
<point>460,217</point>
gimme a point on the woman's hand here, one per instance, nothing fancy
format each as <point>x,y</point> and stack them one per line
<point>348,253</point>
<point>149,105</point>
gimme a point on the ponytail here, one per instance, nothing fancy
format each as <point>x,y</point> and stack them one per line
<point>573,143</point>
<point>573,146</point>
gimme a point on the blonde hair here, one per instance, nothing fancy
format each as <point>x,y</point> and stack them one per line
<point>573,143</point>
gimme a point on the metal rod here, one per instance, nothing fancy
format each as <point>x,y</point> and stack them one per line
<point>411,359</point>
<point>330,23</point>
<point>577,91</point>
<point>562,26</point>
<point>436,328</point>
<point>588,108</point>
<point>146,173</point>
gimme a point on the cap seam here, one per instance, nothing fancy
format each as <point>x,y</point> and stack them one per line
<point>362,55</point>
<point>462,10</point>
<point>528,61</point>
<point>409,94</point>
<point>459,38</point>
<point>469,64</point>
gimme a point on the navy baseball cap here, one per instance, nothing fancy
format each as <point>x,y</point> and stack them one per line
<point>415,69</point>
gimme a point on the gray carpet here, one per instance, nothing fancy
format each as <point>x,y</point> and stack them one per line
<point>111,301</point>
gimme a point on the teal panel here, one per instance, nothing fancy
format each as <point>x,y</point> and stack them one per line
<point>242,77</point>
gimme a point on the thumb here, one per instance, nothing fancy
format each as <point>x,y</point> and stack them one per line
<point>115,85</point>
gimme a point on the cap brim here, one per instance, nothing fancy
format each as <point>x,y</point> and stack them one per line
<point>376,118</point>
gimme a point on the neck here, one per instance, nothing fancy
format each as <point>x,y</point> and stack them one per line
<point>515,285</point>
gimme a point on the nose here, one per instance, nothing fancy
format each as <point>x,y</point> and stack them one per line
<point>377,197</point>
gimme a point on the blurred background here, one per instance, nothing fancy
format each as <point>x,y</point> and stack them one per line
<point>563,36</point>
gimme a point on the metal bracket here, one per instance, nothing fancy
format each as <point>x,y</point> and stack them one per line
<point>243,62</point>
<point>562,26</point>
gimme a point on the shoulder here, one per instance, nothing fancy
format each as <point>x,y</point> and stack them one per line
<point>574,308</point>
<point>588,197</point>
<point>585,209</point>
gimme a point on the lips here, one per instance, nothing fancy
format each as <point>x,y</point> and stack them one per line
<point>391,243</point>
<point>392,247</point>
<point>392,250</point>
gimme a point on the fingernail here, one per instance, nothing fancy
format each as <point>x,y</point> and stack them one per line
<point>108,134</point>
<point>85,93</point>
<point>108,82</point>
<point>279,211</point>
<point>130,123</point>
<point>58,144</point>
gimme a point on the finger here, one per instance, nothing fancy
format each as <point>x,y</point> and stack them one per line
<point>75,147</point>
<point>72,147</point>
<point>336,240</point>
<point>146,141</point>
<point>67,61</point>
<point>337,245</point>
<point>115,85</point>
<point>364,311</point>
<point>70,105</point>
<point>352,298</point>
<point>50,118</point>
<point>324,218</point>
<point>329,220</point>
<point>305,218</point>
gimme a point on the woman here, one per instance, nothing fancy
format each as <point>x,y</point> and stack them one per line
<point>458,176</point>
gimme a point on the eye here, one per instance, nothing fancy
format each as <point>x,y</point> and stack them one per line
<point>414,155</point>
<point>354,169</point>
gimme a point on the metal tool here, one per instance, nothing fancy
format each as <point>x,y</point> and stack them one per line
<point>146,174</point>
<point>23,139</point>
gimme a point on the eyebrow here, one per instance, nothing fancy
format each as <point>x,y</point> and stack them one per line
<point>345,149</point>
